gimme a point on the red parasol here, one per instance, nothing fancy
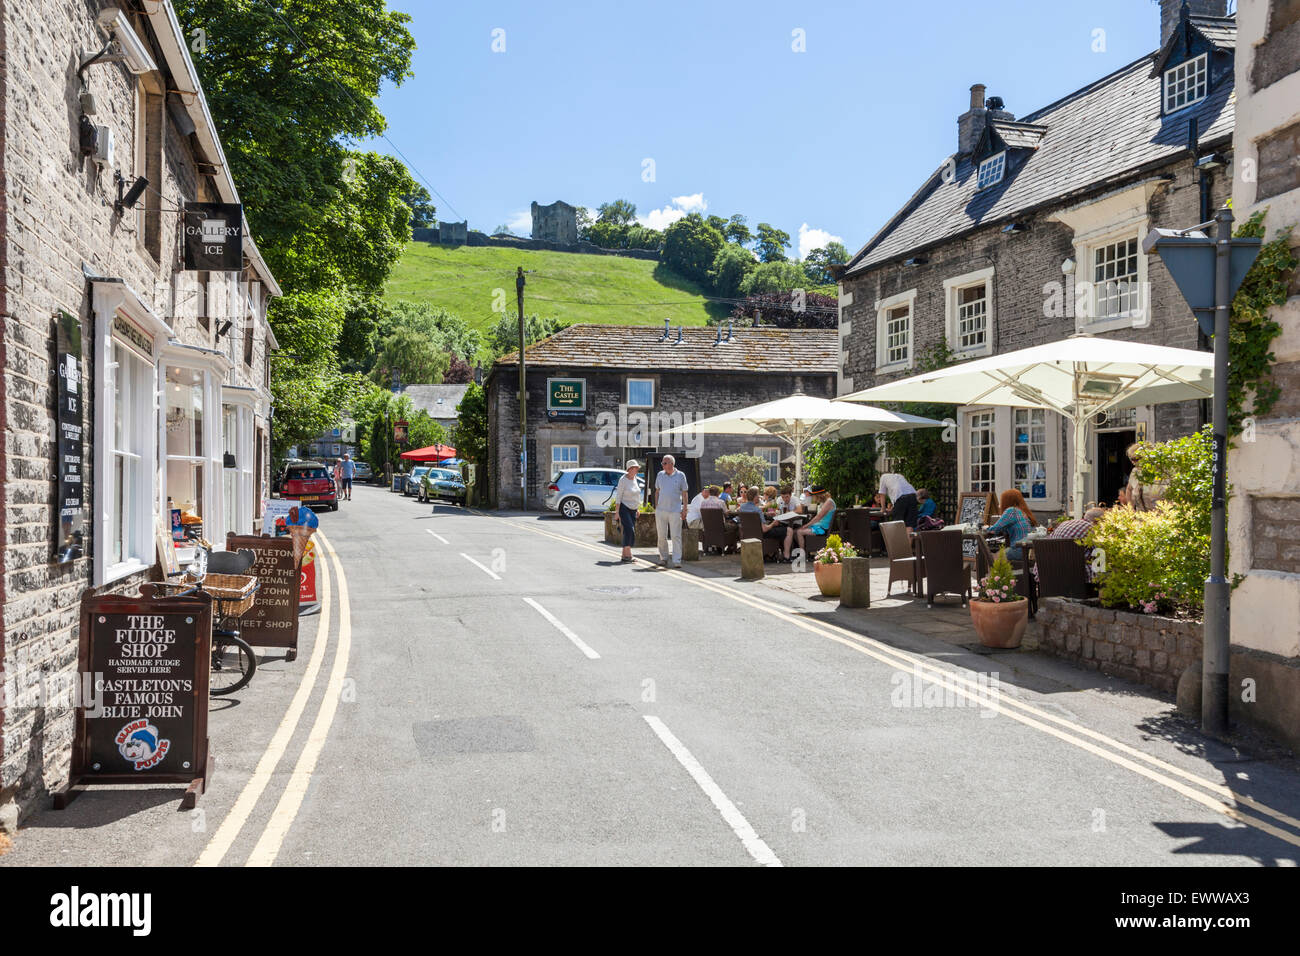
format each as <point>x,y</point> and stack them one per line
<point>430,453</point>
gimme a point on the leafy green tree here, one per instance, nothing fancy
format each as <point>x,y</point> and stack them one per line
<point>446,329</point>
<point>690,246</point>
<point>620,212</point>
<point>584,219</point>
<point>847,467</point>
<point>504,337</point>
<point>718,223</point>
<point>816,263</point>
<point>375,426</point>
<point>423,211</point>
<point>412,356</point>
<point>730,267</point>
<point>470,436</point>
<point>778,276</point>
<point>737,231</point>
<point>742,469</point>
<point>772,243</point>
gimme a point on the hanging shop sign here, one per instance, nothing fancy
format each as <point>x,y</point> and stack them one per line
<point>214,237</point>
<point>400,430</point>
<point>70,536</point>
<point>566,399</point>
<point>142,708</point>
<point>272,621</point>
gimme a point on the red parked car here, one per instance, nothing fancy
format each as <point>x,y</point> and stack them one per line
<point>310,483</point>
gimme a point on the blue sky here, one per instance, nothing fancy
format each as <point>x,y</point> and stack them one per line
<point>830,141</point>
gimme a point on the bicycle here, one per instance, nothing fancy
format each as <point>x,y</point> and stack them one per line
<point>221,576</point>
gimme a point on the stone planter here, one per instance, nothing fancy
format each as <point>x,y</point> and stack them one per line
<point>1000,624</point>
<point>613,529</point>
<point>828,577</point>
<point>647,536</point>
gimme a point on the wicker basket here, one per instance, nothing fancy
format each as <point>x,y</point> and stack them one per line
<point>236,592</point>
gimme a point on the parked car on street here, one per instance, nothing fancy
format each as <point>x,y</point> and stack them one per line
<point>442,484</point>
<point>412,484</point>
<point>364,473</point>
<point>309,482</point>
<point>575,491</point>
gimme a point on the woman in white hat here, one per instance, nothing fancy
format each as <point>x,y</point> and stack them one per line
<point>628,497</point>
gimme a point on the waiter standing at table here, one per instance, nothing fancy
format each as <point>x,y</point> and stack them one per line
<point>899,491</point>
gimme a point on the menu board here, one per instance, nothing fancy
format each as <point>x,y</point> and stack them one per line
<point>272,621</point>
<point>974,508</point>
<point>70,543</point>
<point>142,714</point>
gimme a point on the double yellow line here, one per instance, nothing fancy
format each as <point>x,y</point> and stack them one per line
<point>1213,795</point>
<point>286,809</point>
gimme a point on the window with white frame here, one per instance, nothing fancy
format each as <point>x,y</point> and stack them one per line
<point>983,451</point>
<point>1029,452</point>
<point>186,454</point>
<point>130,481</point>
<point>640,393</point>
<point>563,456</point>
<point>772,455</point>
<point>991,171</point>
<point>1116,287</point>
<point>894,330</point>
<point>1185,84</point>
<point>969,312</point>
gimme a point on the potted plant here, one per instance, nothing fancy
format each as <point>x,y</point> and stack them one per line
<point>999,613</point>
<point>828,565</point>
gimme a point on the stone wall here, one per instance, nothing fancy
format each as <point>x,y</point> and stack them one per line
<point>557,223</point>
<point>1138,647</point>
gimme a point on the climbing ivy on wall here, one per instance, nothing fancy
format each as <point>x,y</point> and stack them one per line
<point>1251,389</point>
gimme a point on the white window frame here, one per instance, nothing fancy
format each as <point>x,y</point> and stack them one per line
<point>883,308</point>
<point>627,392</point>
<point>112,300</point>
<point>1004,439</point>
<point>1087,298</point>
<point>772,455</point>
<point>952,289</point>
<point>991,171</point>
<point>558,466</point>
<point>1192,80</point>
<point>247,506</point>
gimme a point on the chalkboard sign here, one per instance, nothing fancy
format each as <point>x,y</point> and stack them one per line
<point>272,621</point>
<point>142,712</point>
<point>975,508</point>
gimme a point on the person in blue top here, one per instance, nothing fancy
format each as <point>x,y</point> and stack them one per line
<point>726,491</point>
<point>1016,521</point>
<point>349,471</point>
<point>821,521</point>
<point>925,506</point>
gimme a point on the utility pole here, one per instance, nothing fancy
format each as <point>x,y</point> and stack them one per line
<point>523,398</point>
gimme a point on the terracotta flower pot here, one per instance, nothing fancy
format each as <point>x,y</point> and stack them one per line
<point>1000,624</point>
<point>828,577</point>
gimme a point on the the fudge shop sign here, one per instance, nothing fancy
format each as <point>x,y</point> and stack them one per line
<point>214,237</point>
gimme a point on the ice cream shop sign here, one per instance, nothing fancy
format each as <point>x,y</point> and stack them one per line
<point>214,237</point>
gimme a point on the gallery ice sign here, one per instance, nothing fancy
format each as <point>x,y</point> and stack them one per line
<point>214,237</point>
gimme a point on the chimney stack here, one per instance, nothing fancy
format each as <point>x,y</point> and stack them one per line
<point>1171,13</point>
<point>970,125</point>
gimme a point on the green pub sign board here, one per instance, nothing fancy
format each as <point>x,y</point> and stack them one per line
<point>566,394</point>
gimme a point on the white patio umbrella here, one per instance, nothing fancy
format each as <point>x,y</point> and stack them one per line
<point>1077,377</point>
<point>800,419</point>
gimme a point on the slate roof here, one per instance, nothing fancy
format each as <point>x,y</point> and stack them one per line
<point>642,347</point>
<point>1094,136</point>
<point>1019,135</point>
<point>426,397</point>
<point>1220,32</point>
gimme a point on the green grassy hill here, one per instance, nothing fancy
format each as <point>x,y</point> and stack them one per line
<point>568,286</point>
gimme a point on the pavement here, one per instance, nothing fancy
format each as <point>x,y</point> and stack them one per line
<point>498,689</point>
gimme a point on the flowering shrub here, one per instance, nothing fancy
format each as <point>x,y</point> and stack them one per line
<point>1000,583</point>
<point>835,551</point>
<point>1152,561</point>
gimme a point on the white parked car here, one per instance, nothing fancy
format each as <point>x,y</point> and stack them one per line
<point>574,492</point>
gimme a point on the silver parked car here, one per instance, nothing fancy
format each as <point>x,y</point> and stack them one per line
<point>576,491</point>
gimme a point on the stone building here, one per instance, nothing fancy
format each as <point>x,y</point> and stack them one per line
<point>600,394</point>
<point>1264,511</point>
<point>557,223</point>
<point>438,401</point>
<point>1031,232</point>
<point>171,368</point>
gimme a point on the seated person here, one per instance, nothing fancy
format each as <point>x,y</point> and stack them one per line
<point>750,505</point>
<point>713,499</point>
<point>693,519</point>
<point>725,494</point>
<point>820,524</point>
<point>925,505</point>
<point>1016,521</point>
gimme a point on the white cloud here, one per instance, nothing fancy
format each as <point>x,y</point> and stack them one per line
<point>692,203</point>
<point>810,239</point>
<point>677,207</point>
<point>521,223</point>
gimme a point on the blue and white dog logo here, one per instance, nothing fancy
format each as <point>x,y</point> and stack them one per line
<point>141,744</point>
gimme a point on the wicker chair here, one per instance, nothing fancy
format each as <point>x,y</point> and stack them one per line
<point>902,563</point>
<point>1024,580</point>
<point>717,533</point>
<point>751,526</point>
<point>1062,568</point>
<point>945,571</point>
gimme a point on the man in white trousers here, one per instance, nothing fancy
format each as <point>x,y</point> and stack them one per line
<point>671,500</point>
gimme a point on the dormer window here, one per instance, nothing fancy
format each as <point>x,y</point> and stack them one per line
<point>991,170</point>
<point>1185,83</point>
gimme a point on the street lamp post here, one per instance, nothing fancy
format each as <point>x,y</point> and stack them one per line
<point>1208,273</point>
<point>523,398</point>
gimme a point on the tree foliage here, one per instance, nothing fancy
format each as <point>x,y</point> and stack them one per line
<point>816,264</point>
<point>690,247</point>
<point>772,243</point>
<point>1251,389</point>
<point>470,436</point>
<point>785,310</point>
<point>742,469</point>
<point>504,337</point>
<point>847,467</point>
<point>423,212</point>
<point>730,267</point>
